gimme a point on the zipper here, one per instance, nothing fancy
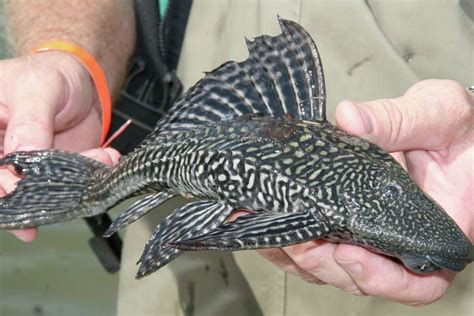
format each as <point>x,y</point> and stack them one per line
<point>162,29</point>
<point>172,87</point>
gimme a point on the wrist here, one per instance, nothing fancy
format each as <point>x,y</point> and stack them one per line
<point>93,25</point>
<point>95,71</point>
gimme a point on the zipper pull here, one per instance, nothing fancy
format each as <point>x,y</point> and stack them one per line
<point>172,88</point>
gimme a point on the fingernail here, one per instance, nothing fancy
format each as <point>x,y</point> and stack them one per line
<point>355,118</point>
<point>353,267</point>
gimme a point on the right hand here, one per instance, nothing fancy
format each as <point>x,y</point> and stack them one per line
<point>430,130</point>
<point>47,100</point>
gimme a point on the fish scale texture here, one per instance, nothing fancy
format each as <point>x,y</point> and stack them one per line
<point>249,135</point>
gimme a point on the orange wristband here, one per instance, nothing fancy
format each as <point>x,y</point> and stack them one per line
<point>95,71</point>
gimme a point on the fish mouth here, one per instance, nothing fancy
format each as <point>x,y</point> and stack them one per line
<point>419,264</point>
<point>429,263</point>
<point>446,263</point>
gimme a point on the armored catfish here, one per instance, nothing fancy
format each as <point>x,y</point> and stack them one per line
<point>249,135</point>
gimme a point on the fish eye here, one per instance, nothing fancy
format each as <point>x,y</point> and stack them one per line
<point>391,191</point>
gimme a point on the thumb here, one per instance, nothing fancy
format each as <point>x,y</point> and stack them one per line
<point>381,276</point>
<point>32,105</point>
<point>430,116</point>
<point>382,122</point>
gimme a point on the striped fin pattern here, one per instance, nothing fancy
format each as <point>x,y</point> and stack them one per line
<point>185,222</point>
<point>282,76</point>
<point>51,189</point>
<point>137,210</point>
<point>256,231</point>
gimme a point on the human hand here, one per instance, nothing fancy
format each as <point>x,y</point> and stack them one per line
<point>430,131</point>
<point>47,100</point>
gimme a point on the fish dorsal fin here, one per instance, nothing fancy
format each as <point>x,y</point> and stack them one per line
<point>282,76</point>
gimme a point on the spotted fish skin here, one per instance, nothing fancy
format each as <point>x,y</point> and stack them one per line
<point>250,135</point>
<point>355,191</point>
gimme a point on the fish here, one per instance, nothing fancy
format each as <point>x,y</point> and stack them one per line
<point>250,135</point>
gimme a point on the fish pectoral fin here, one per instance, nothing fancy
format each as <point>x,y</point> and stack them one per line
<point>255,231</point>
<point>185,222</point>
<point>137,210</point>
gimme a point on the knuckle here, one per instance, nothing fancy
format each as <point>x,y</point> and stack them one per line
<point>429,297</point>
<point>461,102</point>
<point>356,291</point>
<point>39,76</point>
<point>32,124</point>
<point>459,92</point>
<point>347,252</point>
<point>388,121</point>
<point>408,296</point>
<point>394,121</point>
<point>405,286</point>
<point>311,279</point>
<point>271,254</point>
<point>452,86</point>
<point>314,263</point>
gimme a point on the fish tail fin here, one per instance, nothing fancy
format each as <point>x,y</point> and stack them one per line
<point>52,188</point>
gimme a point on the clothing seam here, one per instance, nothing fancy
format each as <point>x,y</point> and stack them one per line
<point>379,27</point>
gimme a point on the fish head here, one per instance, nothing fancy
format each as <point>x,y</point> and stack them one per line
<point>390,214</point>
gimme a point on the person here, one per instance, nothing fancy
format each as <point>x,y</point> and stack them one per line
<point>429,129</point>
<point>60,101</point>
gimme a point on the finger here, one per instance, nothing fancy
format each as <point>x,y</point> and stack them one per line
<point>26,235</point>
<point>317,259</point>
<point>32,99</point>
<point>108,156</point>
<point>29,234</point>
<point>278,256</point>
<point>381,276</point>
<point>417,120</point>
<point>282,260</point>
<point>86,133</point>
<point>2,137</point>
<point>236,214</point>
<point>113,154</point>
<point>8,180</point>
<point>400,157</point>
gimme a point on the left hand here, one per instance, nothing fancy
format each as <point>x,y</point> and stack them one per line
<point>430,131</point>
<point>47,100</point>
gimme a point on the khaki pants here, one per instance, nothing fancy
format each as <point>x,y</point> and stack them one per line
<point>369,50</point>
